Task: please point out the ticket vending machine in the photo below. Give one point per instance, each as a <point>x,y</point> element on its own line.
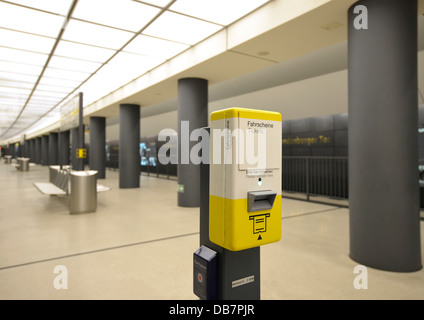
<point>240,202</point>
<point>245,178</point>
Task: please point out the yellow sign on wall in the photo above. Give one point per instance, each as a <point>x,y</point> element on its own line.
<point>81,153</point>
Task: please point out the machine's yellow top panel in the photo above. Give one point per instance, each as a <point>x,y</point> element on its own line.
<point>245,113</point>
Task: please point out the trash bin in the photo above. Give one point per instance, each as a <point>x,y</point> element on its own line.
<point>83,194</point>
<point>8,159</point>
<point>23,164</point>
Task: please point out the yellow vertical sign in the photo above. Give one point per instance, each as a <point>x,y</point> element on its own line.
<point>81,153</point>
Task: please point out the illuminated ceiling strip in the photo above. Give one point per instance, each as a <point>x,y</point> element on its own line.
<point>68,17</point>
<point>165,8</point>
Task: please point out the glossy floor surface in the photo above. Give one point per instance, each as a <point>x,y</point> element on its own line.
<point>139,245</point>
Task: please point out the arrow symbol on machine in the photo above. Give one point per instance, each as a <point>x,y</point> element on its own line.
<point>259,238</point>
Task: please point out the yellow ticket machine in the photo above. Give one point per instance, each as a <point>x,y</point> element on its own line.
<point>245,178</point>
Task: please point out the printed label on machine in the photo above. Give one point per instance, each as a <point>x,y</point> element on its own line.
<point>241,282</point>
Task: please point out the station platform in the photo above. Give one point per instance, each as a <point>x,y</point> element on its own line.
<point>139,245</point>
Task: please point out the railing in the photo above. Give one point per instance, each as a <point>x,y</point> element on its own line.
<point>316,176</point>
<point>167,171</point>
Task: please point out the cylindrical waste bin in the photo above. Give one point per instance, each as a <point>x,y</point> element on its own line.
<point>83,194</point>
<point>24,164</point>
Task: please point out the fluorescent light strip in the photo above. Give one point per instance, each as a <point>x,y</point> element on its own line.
<point>26,41</point>
<point>122,14</point>
<point>29,20</point>
<point>222,12</point>
<point>86,52</point>
<point>42,72</point>
<point>94,34</point>
<point>155,3</point>
<point>49,6</point>
<point>22,56</point>
<point>182,30</point>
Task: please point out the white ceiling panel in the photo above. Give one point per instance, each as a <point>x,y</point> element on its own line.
<point>20,91</point>
<point>9,107</point>
<point>25,41</point>
<point>65,74</point>
<point>66,83</point>
<point>96,35</point>
<point>122,14</point>
<point>159,3</point>
<point>6,66</point>
<point>15,84</point>
<point>73,64</point>
<point>48,94</point>
<point>8,114</point>
<point>223,12</point>
<point>155,47</point>
<point>54,88</point>
<point>14,96</point>
<point>28,20</point>
<point>21,56</point>
<point>134,63</point>
<point>17,77</point>
<point>83,52</point>
<point>48,102</point>
<point>180,28</point>
<point>55,6</point>
<point>48,99</point>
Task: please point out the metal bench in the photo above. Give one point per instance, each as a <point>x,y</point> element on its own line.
<point>59,182</point>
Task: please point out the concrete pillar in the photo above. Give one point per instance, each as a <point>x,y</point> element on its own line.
<point>53,149</point>
<point>45,150</point>
<point>63,153</point>
<point>32,150</point>
<point>192,114</point>
<point>74,147</point>
<point>383,135</point>
<point>97,159</point>
<point>38,150</point>
<point>129,146</point>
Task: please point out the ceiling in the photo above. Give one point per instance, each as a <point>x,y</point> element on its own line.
<point>310,45</point>
<point>60,48</point>
<point>52,49</point>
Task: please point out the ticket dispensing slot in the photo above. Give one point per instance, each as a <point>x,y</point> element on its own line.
<point>260,200</point>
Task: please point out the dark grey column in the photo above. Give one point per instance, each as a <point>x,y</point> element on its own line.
<point>81,142</point>
<point>25,152</point>
<point>129,146</point>
<point>38,150</point>
<point>45,150</point>
<point>192,111</point>
<point>74,147</point>
<point>53,149</point>
<point>97,158</point>
<point>19,150</point>
<point>383,136</point>
<point>64,156</point>
<point>32,150</point>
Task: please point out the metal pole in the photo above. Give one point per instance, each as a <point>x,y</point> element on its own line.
<point>232,265</point>
<point>307,179</point>
<point>80,161</point>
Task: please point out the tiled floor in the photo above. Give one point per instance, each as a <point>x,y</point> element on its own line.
<point>139,245</point>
